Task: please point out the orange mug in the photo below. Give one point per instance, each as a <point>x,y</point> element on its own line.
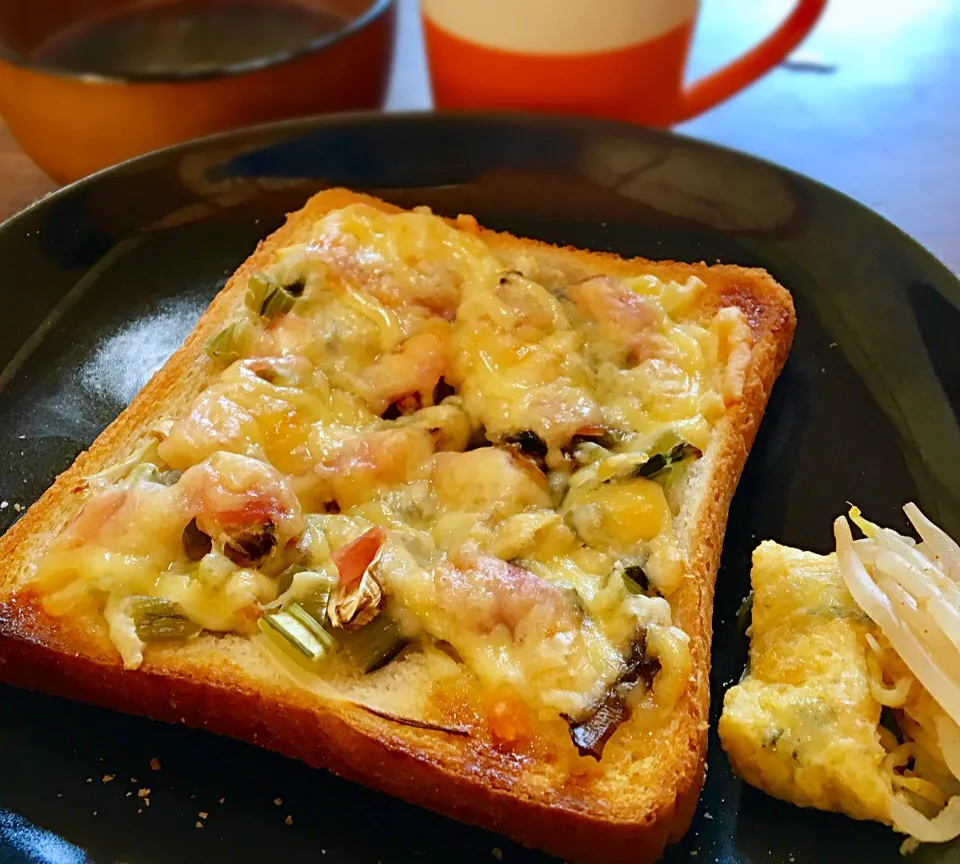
<point>622,59</point>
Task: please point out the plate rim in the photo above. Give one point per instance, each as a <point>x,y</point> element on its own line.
<point>291,130</point>
<point>292,127</point>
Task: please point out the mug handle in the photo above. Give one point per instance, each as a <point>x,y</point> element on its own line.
<point>743,71</point>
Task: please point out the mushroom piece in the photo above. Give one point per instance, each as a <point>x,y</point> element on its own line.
<point>249,545</point>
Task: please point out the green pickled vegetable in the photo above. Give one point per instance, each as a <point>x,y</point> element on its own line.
<point>277,301</point>
<point>285,579</point>
<point>296,288</point>
<point>227,345</point>
<point>267,298</point>
<point>299,631</point>
<point>635,580</point>
<point>160,620</point>
<point>258,288</point>
<point>375,644</point>
<point>313,541</point>
<point>589,452</point>
<point>314,626</point>
<point>316,604</point>
<point>152,474</point>
<point>144,471</point>
<point>170,477</point>
<point>655,467</point>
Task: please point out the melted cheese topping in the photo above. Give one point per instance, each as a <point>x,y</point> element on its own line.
<point>507,531</point>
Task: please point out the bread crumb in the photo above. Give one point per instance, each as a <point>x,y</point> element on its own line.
<point>221,800</point>
<point>468,223</point>
<point>129,794</point>
<point>108,777</point>
<point>707,816</point>
<point>139,811</point>
<point>497,853</point>
<point>133,779</point>
<point>154,764</point>
<point>142,793</point>
<point>17,507</point>
<point>278,801</point>
<point>89,779</point>
<point>203,814</point>
<point>4,505</point>
<point>288,820</point>
<point>94,812</point>
<point>198,824</point>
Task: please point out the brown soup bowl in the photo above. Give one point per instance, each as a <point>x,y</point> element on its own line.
<point>75,109</point>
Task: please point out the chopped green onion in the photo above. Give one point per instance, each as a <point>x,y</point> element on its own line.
<point>589,452</point>
<point>316,604</point>
<point>277,301</point>
<point>299,631</point>
<point>296,288</point>
<point>257,289</point>
<point>160,620</point>
<point>657,464</point>
<point>146,471</point>
<point>170,477</point>
<point>313,542</point>
<point>600,436</point>
<point>150,473</point>
<point>585,520</point>
<point>375,644</point>
<point>285,579</point>
<point>267,298</point>
<point>635,580</point>
<point>314,626</point>
<point>120,470</point>
<point>227,345</point>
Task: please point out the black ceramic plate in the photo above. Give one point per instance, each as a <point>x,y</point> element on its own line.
<point>102,281</point>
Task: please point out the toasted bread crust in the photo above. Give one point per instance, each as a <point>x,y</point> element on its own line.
<point>456,776</point>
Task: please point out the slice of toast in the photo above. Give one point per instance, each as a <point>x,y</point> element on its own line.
<point>639,797</point>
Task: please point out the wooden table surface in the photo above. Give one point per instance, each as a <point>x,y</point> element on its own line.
<point>876,113</point>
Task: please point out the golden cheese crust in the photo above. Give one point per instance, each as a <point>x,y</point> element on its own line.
<point>644,792</point>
